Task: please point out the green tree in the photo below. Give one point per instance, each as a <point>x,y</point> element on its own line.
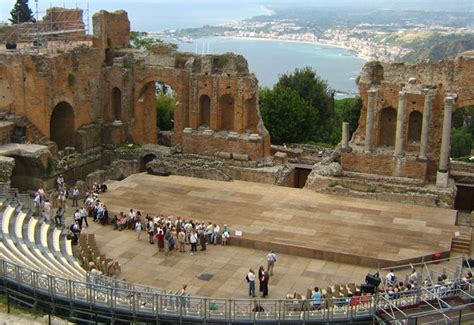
<point>461,143</point>
<point>21,12</point>
<point>318,95</point>
<point>141,41</point>
<point>165,104</point>
<point>348,110</point>
<point>288,117</point>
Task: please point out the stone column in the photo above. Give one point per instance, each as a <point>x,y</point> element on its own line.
<point>402,105</point>
<point>425,128</point>
<point>345,136</point>
<point>369,127</point>
<point>442,175</point>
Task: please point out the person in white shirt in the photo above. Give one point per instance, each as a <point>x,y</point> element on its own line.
<point>271,259</point>
<point>251,282</point>
<point>75,197</point>
<point>83,214</point>
<point>391,278</point>
<point>215,233</point>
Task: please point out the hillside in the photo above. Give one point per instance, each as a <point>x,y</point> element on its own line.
<point>434,50</point>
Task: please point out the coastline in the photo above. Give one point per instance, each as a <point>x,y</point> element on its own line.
<point>352,50</point>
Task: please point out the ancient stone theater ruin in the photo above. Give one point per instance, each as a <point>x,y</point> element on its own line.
<point>96,90</point>
<point>82,108</point>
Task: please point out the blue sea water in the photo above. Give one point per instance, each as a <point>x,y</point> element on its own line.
<point>268,59</point>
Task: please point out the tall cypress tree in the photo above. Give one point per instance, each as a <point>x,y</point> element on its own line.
<point>21,12</point>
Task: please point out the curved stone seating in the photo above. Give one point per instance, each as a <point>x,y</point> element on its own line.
<point>29,242</point>
<point>35,257</point>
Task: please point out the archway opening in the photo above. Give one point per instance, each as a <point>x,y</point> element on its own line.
<point>166,99</point>
<point>462,134</point>
<point>62,125</point>
<point>145,160</point>
<point>117,104</point>
<point>388,125</point>
<point>415,121</point>
<point>226,108</point>
<point>205,111</point>
<point>251,114</point>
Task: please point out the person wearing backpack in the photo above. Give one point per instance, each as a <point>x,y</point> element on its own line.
<point>251,281</point>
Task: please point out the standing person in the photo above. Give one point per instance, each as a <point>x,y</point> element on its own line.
<point>78,219</point>
<point>138,229</point>
<point>58,218</point>
<point>261,270</point>
<point>215,233</point>
<point>193,242</point>
<point>83,214</point>
<point>75,197</point>
<point>160,236</point>
<point>264,283</point>
<point>181,240</point>
<point>251,282</point>
<point>150,230</point>
<point>170,242</point>
<point>47,210</point>
<point>202,237</point>
<point>271,259</point>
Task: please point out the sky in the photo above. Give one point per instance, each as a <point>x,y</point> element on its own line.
<point>148,14</point>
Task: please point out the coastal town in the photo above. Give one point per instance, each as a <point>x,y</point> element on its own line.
<point>387,41</point>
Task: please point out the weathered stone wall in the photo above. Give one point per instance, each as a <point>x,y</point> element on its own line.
<point>111,91</point>
<point>55,19</point>
<point>242,147</point>
<point>384,164</point>
<point>111,29</point>
<point>388,79</point>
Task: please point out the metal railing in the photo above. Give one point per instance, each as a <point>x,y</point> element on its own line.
<point>153,304</point>
<point>101,293</point>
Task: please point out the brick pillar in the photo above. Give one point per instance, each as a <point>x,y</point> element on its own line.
<point>370,120</point>
<point>425,128</point>
<point>442,175</point>
<point>399,136</point>
<point>345,136</point>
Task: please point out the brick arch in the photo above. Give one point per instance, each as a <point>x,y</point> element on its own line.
<point>465,102</point>
<point>387,126</point>
<point>227,111</point>
<point>61,126</point>
<point>415,121</point>
<point>204,111</point>
<point>251,114</point>
<point>116,103</point>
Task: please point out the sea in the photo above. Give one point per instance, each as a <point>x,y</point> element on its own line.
<point>268,59</point>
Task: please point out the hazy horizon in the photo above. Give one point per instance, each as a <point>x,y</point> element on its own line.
<point>146,14</point>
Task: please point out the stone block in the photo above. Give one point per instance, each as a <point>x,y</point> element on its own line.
<point>208,132</point>
<point>255,138</point>
<point>224,155</point>
<point>69,151</point>
<point>188,131</point>
<point>6,168</point>
<point>233,136</point>
<point>280,158</point>
<point>442,179</point>
<point>240,156</point>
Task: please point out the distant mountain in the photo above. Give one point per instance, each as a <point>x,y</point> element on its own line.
<point>441,51</point>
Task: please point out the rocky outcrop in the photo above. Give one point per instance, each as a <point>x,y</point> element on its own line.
<point>6,168</point>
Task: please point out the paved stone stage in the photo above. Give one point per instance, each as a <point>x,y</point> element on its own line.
<point>295,221</point>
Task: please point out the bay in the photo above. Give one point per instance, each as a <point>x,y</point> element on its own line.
<point>268,59</point>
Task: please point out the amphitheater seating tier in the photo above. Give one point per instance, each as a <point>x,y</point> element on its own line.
<point>35,244</point>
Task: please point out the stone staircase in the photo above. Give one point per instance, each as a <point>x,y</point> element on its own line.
<point>461,244</point>
<point>34,135</point>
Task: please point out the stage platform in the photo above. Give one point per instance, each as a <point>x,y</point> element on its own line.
<point>294,221</point>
